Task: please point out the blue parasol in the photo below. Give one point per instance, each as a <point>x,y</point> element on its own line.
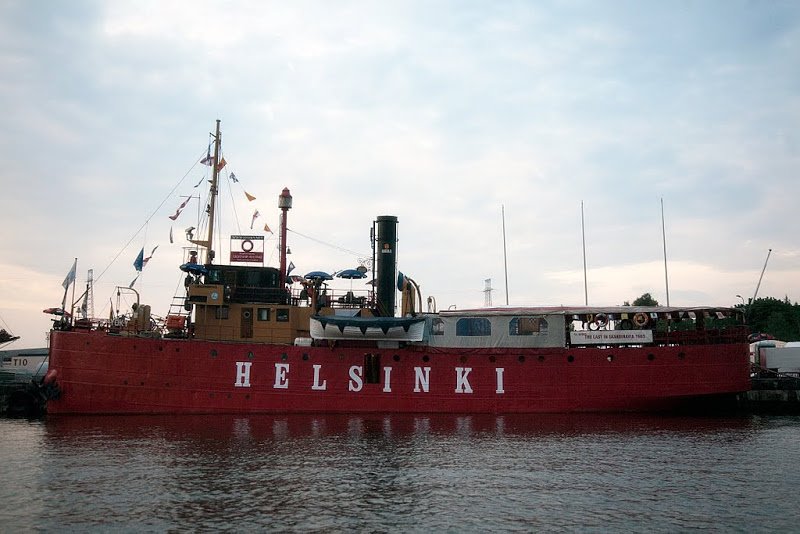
<point>194,268</point>
<point>351,274</point>
<point>318,275</point>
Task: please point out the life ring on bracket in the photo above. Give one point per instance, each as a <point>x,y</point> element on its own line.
<point>640,320</point>
<point>600,321</point>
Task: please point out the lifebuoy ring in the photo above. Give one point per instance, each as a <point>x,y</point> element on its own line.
<point>601,320</point>
<point>641,319</point>
<point>247,245</point>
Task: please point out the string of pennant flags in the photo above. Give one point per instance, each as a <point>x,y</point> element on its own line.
<point>141,261</point>
<point>208,160</point>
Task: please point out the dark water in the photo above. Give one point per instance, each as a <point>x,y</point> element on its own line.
<point>400,473</point>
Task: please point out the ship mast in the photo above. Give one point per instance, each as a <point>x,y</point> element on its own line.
<point>212,202</point>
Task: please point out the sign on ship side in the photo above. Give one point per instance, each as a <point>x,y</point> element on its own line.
<point>356,378</point>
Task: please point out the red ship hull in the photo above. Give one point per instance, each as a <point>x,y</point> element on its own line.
<point>98,373</point>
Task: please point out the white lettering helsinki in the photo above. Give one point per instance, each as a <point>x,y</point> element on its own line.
<point>422,378</point>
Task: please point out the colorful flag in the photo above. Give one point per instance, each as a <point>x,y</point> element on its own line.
<point>130,286</point>
<point>221,164</point>
<point>234,179</point>
<point>70,275</point>
<point>170,235</point>
<point>198,183</point>
<point>180,209</point>
<point>255,214</point>
<point>249,196</point>
<point>144,261</point>
<point>266,228</point>
<point>208,160</point>
<point>138,263</point>
<point>289,269</point>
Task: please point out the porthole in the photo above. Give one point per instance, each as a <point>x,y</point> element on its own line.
<point>570,358</point>
<point>284,357</point>
<point>463,359</point>
<point>305,357</point>
<point>651,357</point>
<point>213,353</point>
<point>396,357</point>
<point>521,358</point>
<point>492,359</point>
<point>610,357</point>
<point>541,358</point>
<point>250,355</point>
<point>681,356</point>
<point>426,358</point>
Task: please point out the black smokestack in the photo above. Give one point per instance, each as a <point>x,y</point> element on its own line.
<point>384,249</point>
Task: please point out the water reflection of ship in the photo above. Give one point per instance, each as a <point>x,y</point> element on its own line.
<point>228,430</point>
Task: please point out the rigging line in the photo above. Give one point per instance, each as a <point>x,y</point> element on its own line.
<point>8,328</point>
<point>233,205</point>
<point>354,253</point>
<point>169,195</point>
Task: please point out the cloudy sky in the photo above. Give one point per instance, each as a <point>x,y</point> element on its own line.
<point>439,112</point>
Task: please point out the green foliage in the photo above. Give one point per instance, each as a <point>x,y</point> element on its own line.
<point>773,316</point>
<point>645,300</point>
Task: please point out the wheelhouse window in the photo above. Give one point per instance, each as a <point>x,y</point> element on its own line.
<point>221,312</point>
<point>282,315</point>
<point>263,314</point>
<point>473,326</point>
<point>527,326</point>
<point>437,327</point>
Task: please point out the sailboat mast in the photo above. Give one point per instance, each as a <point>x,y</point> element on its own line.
<point>664,239</point>
<point>505,256</point>
<point>212,203</point>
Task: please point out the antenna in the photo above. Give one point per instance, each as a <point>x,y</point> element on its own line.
<point>87,308</point>
<point>664,239</point>
<point>505,257</point>
<point>762,276</point>
<point>487,293</point>
<point>585,282</point>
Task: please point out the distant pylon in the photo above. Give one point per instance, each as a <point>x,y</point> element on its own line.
<point>487,293</point>
<point>87,308</point>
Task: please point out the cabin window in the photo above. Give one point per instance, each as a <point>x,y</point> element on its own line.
<point>473,326</point>
<point>282,315</point>
<point>263,314</point>
<point>221,312</point>
<point>437,327</point>
<point>527,326</point>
